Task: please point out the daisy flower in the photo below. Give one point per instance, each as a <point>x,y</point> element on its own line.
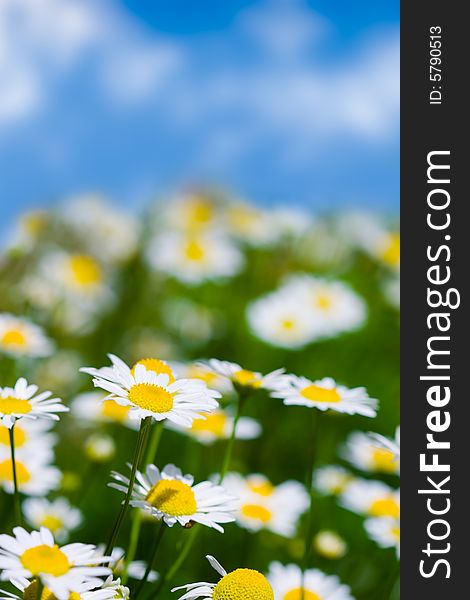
<point>191,212</point>
<point>56,515</point>
<point>171,496</point>
<point>197,370</point>
<point>392,445</point>
<point>243,378</point>
<point>329,544</point>
<point>99,447</point>
<point>149,389</point>
<point>384,531</point>
<point>20,402</point>
<point>251,225</point>
<point>241,584</point>
<point>35,477</point>
<point>218,425</point>
<point>331,479</point>
<point>364,452</point>
<point>81,590</point>
<point>286,581</point>
<point>371,498</point>
<point>325,394</point>
<point>93,407</point>
<point>265,506</point>
<point>194,258</point>
<point>60,569</point>
<point>28,434</point>
<point>19,337</point>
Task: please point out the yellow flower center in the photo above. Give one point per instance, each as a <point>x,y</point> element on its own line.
<point>288,324</point>
<point>45,559</point>
<point>34,222</point>
<point>159,367</point>
<point>19,435</point>
<point>395,531</point>
<point>114,411</point>
<point>52,522</point>
<point>151,397</point>
<point>263,488</point>
<point>296,594</point>
<point>213,423</point>
<point>196,372</point>
<point>249,378</point>
<point>194,251</point>
<point>172,497</point>
<point>85,270</point>
<point>323,301</point>
<point>6,471</point>
<point>384,460</point>
<point>200,212</point>
<point>243,584</point>
<point>14,337</point>
<point>14,406</point>
<point>385,507</point>
<point>315,393</point>
<point>390,253</point>
<point>256,512</point>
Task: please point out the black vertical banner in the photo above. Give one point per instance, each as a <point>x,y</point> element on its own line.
<point>435,397</point>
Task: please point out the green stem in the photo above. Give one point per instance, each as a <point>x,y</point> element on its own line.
<point>231,441</point>
<point>16,494</point>
<point>153,554</point>
<point>39,588</point>
<point>309,483</point>
<point>139,449</point>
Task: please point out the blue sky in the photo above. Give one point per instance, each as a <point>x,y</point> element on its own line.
<point>281,101</point>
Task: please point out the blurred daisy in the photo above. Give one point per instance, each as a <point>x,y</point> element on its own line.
<point>391,291</point>
<point>99,448</point>
<point>282,321</point>
<point>28,230</point>
<point>250,224</point>
<point>363,452</point>
<point>371,498</point>
<point>329,544</point>
<point>34,475</point>
<point>135,569</point>
<point>325,394</point>
<point>384,531</point>
<point>93,407</point>
<point>194,258</point>
<point>27,435</point>
<point>191,212</point>
<point>265,506</point>
<point>241,584</point>
<point>286,581</point>
<point>392,445</point>
<point>218,425</point>
<point>243,378</point>
<point>56,515</point>
<point>150,390</point>
<point>19,337</point>
<point>331,480</point>
<point>197,370</point>
<point>171,496</point>
<point>20,402</point>
<point>60,569</point>
<point>81,590</point>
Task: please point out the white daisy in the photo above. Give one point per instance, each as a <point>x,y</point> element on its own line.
<point>331,479</point>
<point>265,506</point>
<point>329,544</point>
<point>35,477</point>
<point>93,407</point>
<point>150,390</point>
<point>325,394</point>
<point>218,425</point>
<point>20,402</point>
<point>60,569</point>
<point>286,581</point>
<point>371,498</point>
<point>194,258</point>
<point>99,447</point>
<point>250,224</point>
<point>384,531</point>
<point>364,452</point>
<point>241,584</point>
<point>190,212</point>
<point>56,515</point>
<point>392,445</point>
<point>82,590</point>
<point>19,337</point>
<point>28,435</point>
<point>197,370</point>
<point>171,496</point>
<point>243,378</point>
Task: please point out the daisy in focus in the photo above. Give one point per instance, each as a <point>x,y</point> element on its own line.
<point>363,452</point>
<point>149,389</point>
<point>173,497</point>
<point>265,506</point>
<point>60,569</point>
<point>35,475</point>
<point>371,498</point>
<point>56,515</point>
<point>20,402</point>
<point>286,581</point>
<point>19,337</point>
<point>243,379</point>
<point>218,425</point>
<point>325,394</point>
<point>331,480</point>
<point>384,531</point>
<point>241,584</point>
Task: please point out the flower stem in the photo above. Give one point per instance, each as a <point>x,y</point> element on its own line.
<point>139,449</point>
<point>16,494</point>
<point>229,448</point>
<point>314,431</point>
<point>153,554</point>
<point>39,589</point>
